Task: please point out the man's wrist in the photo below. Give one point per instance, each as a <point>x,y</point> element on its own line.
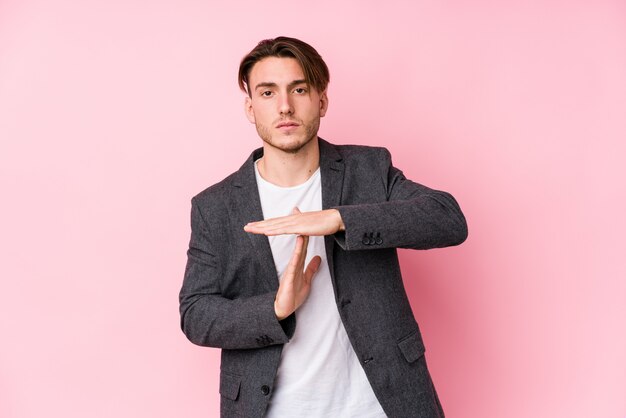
<point>341,225</point>
<point>278,315</point>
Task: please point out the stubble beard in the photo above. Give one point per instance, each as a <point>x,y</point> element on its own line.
<point>310,132</point>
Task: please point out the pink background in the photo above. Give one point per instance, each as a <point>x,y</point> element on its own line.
<point>114,113</point>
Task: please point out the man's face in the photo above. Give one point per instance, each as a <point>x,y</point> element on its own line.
<point>284,109</point>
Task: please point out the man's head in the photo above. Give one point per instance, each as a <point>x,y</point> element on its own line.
<point>313,66</point>
<point>286,82</point>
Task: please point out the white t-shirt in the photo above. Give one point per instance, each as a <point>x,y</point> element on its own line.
<point>319,374</point>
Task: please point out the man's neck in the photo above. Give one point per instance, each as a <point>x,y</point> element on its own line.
<point>289,169</point>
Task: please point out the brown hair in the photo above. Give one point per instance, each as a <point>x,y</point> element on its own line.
<point>313,66</point>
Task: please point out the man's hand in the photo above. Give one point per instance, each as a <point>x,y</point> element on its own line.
<point>322,222</point>
<point>295,284</point>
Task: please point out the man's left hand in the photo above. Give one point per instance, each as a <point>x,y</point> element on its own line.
<point>317,223</point>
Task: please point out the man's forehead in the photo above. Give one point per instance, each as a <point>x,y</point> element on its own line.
<point>277,70</point>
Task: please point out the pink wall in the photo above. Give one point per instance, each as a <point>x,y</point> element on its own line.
<point>114,113</point>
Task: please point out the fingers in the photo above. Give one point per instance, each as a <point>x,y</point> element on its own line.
<point>296,256</point>
<point>315,223</point>
<point>312,268</point>
<point>296,263</point>
<point>286,299</point>
<point>295,284</point>
<point>305,247</point>
<point>275,226</point>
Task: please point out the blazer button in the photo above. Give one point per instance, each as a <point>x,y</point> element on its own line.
<point>265,390</point>
<point>378,239</point>
<point>366,240</point>
<point>264,340</point>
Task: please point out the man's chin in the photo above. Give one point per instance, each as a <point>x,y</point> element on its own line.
<point>289,145</point>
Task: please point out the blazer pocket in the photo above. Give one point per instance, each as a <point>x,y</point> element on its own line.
<point>412,347</point>
<point>229,386</point>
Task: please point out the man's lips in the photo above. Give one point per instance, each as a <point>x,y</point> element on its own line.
<point>287,125</point>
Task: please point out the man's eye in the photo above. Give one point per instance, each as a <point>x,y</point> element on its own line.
<point>266,93</point>
<point>300,90</point>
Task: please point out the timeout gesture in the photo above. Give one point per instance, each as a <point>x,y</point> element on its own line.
<point>295,283</point>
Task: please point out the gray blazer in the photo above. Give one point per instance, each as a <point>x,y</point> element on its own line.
<point>227,296</point>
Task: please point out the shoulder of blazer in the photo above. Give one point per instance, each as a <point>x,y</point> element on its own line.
<point>355,153</point>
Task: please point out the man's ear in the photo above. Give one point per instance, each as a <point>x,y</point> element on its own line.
<point>248,109</point>
<point>323,103</point>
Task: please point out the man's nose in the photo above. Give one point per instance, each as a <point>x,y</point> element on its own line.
<point>284,105</point>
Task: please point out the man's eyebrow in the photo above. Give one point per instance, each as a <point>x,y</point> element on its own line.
<point>296,82</point>
<point>271,84</point>
<point>265,84</point>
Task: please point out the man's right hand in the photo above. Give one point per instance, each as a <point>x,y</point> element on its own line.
<point>295,283</point>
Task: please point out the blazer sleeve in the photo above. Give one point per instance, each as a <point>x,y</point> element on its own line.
<point>412,216</point>
<point>210,319</point>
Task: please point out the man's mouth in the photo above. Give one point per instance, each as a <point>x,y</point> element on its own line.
<point>287,125</point>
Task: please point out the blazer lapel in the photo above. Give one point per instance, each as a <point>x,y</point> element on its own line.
<point>332,172</point>
<point>245,205</point>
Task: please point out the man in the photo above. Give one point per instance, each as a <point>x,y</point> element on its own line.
<point>292,267</point>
